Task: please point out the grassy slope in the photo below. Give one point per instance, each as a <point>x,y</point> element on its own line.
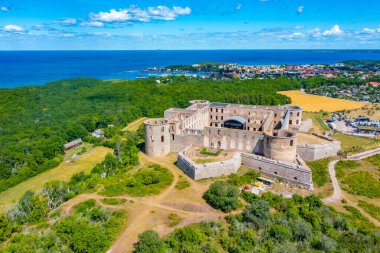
<point>62,172</point>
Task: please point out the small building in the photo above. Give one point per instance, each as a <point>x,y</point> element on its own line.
<point>73,144</point>
<point>98,133</point>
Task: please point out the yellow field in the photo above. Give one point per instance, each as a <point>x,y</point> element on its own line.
<point>314,103</point>
<point>64,171</point>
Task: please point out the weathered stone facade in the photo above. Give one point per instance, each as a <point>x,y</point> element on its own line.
<point>312,152</point>
<point>253,132</point>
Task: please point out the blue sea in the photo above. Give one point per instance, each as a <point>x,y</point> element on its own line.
<point>24,68</point>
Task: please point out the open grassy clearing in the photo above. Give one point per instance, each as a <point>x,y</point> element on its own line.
<point>133,126</point>
<point>319,126</point>
<point>353,144</point>
<point>320,171</point>
<point>314,103</point>
<point>374,160</point>
<point>371,209</point>
<point>359,178</point>
<point>146,181</point>
<point>63,172</point>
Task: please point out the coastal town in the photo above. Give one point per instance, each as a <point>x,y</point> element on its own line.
<point>348,69</point>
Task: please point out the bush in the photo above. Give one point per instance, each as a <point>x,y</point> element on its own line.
<point>146,181</point>
<point>149,242</point>
<point>222,195</point>
<point>247,178</point>
<point>204,151</point>
<point>182,183</point>
<point>257,214</point>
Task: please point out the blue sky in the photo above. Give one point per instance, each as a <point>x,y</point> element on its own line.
<point>212,24</point>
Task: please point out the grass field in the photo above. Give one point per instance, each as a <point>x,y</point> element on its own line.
<point>320,171</point>
<point>133,126</point>
<point>319,126</point>
<point>62,172</point>
<point>146,181</point>
<point>314,103</point>
<point>360,178</point>
<point>354,144</point>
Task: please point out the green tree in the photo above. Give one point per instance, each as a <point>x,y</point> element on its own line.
<point>149,242</point>
<point>257,214</point>
<point>222,195</point>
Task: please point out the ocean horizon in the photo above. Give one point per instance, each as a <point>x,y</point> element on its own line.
<point>26,68</point>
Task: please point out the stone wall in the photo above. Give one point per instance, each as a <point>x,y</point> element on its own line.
<point>207,170</point>
<point>233,139</point>
<point>312,152</point>
<point>297,174</point>
<point>306,125</point>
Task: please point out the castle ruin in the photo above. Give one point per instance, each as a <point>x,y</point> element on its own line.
<point>262,138</point>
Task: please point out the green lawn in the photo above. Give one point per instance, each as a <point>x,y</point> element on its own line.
<point>374,160</point>
<point>354,144</point>
<point>342,166</point>
<point>320,171</point>
<point>362,183</point>
<point>319,126</point>
<point>371,209</point>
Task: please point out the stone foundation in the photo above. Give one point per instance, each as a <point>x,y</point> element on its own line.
<point>312,152</point>
<point>207,170</point>
<point>298,173</point>
<point>293,173</point>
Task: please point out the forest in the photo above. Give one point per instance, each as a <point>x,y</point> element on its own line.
<point>36,121</point>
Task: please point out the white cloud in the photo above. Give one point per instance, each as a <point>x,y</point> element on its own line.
<point>68,35</point>
<point>238,7</point>
<point>182,11</point>
<point>291,36</point>
<point>133,14</point>
<point>367,30</point>
<point>300,9</point>
<point>68,21</point>
<point>13,28</point>
<point>4,9</point>
<point>334,31</point>
<point>92,23</point>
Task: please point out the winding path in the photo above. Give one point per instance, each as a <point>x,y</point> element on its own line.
<point>337,194</point>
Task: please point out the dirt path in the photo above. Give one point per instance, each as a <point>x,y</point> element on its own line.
<point>152,212</point>
<point>149,212</point>
<point>337,194</point>
<point>130,127</point>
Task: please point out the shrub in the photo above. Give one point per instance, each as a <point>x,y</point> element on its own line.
<point>149,242</point>
<point>257,214</point>
<point>222,195</point>
<point>204,151</point>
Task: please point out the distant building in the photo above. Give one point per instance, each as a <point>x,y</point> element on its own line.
<point>73,144</point>
<point>98,133</point>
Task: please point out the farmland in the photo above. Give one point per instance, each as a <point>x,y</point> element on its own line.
<point>314,103</point>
